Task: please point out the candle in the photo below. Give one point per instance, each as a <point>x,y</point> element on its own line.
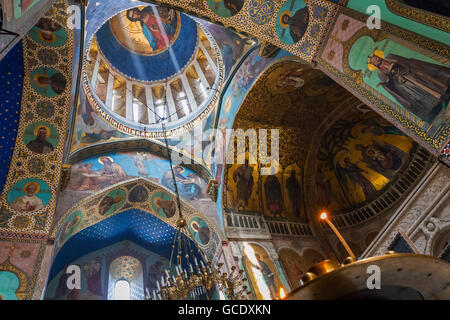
<point>196,263</point>
<point>167,273</point>
<point>154,295</point>
<point>162,281</point>
<point>191,268</point>
<point>157,284</point>
<point>201,262</point>
<point>178,271</point>
<point>185,273</point>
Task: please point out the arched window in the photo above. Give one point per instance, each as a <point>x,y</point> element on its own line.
<point>126,280</point>
<point>122,290</point>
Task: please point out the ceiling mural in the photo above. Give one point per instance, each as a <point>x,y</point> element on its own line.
<point>137,100</point>
<point>372,61</point>
<point>124,259</point>
<point>11,85</point>
<point>262,272</point>
<point>292,97</point>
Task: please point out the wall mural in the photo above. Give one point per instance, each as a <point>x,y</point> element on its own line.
<point>90,129</point>
<point>359,156</point>
<point>258,18</point>
<point>99,172</point>
<point>226,8</point>
<point>17,261</point>
<point>137,29</point>
<point>410,83</point>
<point>297,265</point>
<point>262,273</point>
<point>159,202</point>
<point>282,94</point>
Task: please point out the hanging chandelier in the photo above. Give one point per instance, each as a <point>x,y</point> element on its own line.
<point>193,280</point>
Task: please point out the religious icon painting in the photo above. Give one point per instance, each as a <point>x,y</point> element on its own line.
<point>242,186</point>
<point>112,202</point>
<point>418,83</point>
<point>226,8</point>
<point>48,33</point>
<point>71,224</point>
<point>293,192</point>
<point>146,30</point>
<point>138,194</point>
<point>273,195</point>
<point>199,230</point>
<point>293,265</point>
<point>288,77</point>
<point>163,205</point>
<point>48,82</point>
<point>29,195</point>
<point>292,21</point>
<point>41,137</point>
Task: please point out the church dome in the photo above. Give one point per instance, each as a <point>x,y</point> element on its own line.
<point>151,65</point>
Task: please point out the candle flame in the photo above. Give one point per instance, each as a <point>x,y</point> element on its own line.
<point>323,215</point>
<point>282,293</point>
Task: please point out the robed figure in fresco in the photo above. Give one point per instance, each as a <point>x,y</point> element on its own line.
<point>243,176</point>
<point>158,39</point>
<point>354,173</point>
<point>40,144</point>
<point>297,23</point>
<point>29,201</point>
<point>295,194</point>
<point>419,86</point>
<point>272,188</point>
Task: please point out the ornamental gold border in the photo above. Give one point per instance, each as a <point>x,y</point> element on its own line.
<point>353,79</point>
<point>89,208</point>
<point>28,115</point>
<point>26,283</point>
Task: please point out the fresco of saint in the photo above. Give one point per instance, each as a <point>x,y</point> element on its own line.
<point>355,174</point>
<point>40,144</point>
<point>157,38</point>
<point>29,201</point>
<point>419,86</point>
<point>272,188</point>
<point>243,176</point>
<point>200,230</point>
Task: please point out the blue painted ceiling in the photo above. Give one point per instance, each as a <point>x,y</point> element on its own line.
<point>134,225</point>
<point>150,68</point>
<point>11,81</point>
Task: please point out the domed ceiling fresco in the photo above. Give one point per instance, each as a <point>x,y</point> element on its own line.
<point>151,65</point>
